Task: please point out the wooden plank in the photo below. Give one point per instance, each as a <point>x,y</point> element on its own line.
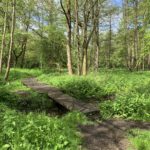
<point>39,87</point>
<point>59,97</point>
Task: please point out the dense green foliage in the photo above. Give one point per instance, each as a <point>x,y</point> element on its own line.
<point>40,33</point>
<point>79,87</point>
<point>78,37</point>
<point>38,131</point>
<point>26,122</point>
<point>140,139</point>
<point>32,102</point>
<point>132,106</point>
<point>130,91</point>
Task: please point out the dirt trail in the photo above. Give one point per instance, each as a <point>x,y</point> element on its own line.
<point>109,135</point>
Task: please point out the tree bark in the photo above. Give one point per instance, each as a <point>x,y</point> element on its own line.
<point>126,32</point>
<point>69,48</point>
<point>3,39</point>
<point>84,66</point>
<point>24,46</point>
<point>136,44</point>
<point>87,37</point>
<point>148,62</point>
<point>77,36</point>
<point>110,41</point>
<point>11,41</point>
<point>97,54</point>
<point>97,15</point>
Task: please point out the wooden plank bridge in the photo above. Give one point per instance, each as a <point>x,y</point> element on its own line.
<point>59,97</point>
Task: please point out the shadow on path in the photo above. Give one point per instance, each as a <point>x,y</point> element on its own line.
<point>109,135</point>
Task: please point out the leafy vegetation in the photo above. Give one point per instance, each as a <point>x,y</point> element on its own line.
<point>26,123</point>
<point>140,139</point>
<point>131,106</point>
<point>38,131</point>
<point>78,38</point>
<point>130,100</point>
<point>31,101</point>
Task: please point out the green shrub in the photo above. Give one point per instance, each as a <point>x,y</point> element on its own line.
<point>37,131</point>
<point>132,106</point>
<point>140,139</point>
<point>82,88</point>
<point>33,102</point>
<point>7,98</point>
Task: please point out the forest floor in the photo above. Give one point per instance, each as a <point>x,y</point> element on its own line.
<point>110,135</point>
<point>123,99</point>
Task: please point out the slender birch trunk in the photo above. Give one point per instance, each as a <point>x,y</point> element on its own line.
<point>11,40</point>
<point>3,39</point>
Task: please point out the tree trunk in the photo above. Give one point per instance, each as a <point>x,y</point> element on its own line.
<point>97,57</point>
<point>23,52</point>
<point>110,42</point>
<point>3,38</point>
<point>126,32</point>
<point>11,41</point>
<point>77,37</point>
<point>136,35</point>
<point>87,37</point>
<point>84,57</point>
<point>69,57</point>
<point>132,57</point>
<point>148,62</point>
<point>24,47</point>
<point>97,14</point>
<point>143,63</point>
<point>84,66</point>
<point>68,18</point>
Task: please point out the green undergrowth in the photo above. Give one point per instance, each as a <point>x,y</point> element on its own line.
<point>38,131</point>
<point>139,139</point>
<point>16,75</point>
<point>82,88</point>
<point>26,125</point>
<point>130,105</point>
<point>31,102</point>
<point>120,94</point>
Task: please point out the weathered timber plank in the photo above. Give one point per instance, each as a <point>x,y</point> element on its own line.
<point>73,104</point>
<point>58,96</point>
<point>39,87</point>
